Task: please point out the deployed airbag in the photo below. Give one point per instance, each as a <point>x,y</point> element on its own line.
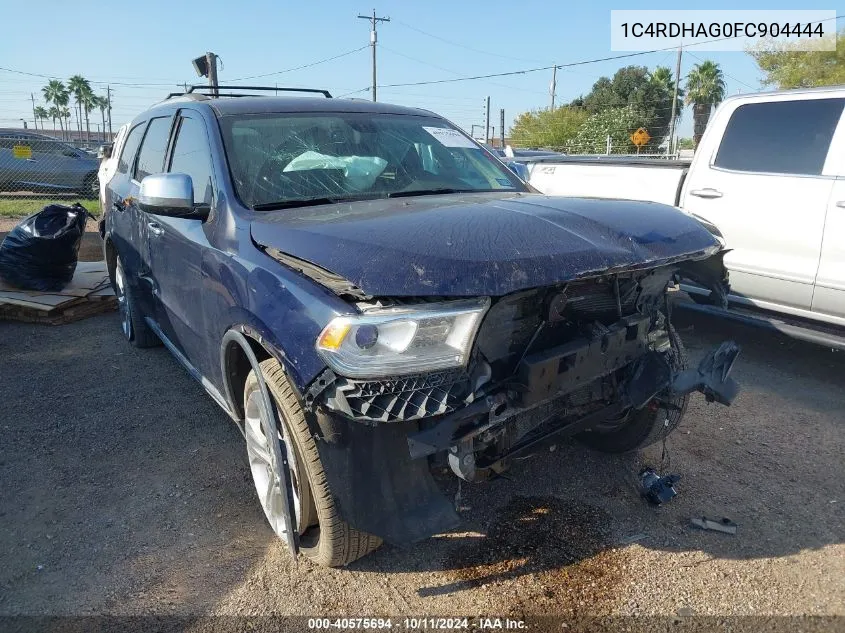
<point>360,172</point>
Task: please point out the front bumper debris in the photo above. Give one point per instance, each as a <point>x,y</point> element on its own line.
<point>651,376</point>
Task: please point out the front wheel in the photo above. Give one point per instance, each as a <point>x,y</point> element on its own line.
<point>640,428</point>
<point>324,537</point>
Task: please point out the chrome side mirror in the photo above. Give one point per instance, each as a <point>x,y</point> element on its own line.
<point>168,195</point>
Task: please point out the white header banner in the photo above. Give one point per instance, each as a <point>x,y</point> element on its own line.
<point>722,30</point>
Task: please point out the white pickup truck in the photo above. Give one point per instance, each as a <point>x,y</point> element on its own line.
<point>769,173</point>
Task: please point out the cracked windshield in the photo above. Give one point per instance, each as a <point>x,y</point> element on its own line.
<point>287,160</point>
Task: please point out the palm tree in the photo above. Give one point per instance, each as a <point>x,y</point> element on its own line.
<point>705,88</point>
<point>56,93</point>
<point>78,86</point>
<point>662,77</point>
<point>103,104</point>
<point>56,113</point>
<point>41,113</point>
<point>66,115</point>
<point>88,102</point>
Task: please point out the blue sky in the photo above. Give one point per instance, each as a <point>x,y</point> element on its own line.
<point>144,49</point>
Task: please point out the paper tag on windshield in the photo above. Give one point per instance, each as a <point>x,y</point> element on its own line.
<point>449,137</point>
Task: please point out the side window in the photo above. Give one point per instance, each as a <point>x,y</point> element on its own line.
<point>781,137</point>
<point>191,156</point>
<point>153,148</point>
<point>130,147</point>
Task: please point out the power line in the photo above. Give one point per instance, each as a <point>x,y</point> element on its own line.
<point>724,73</point>
<point>464,46</point>
<point>569,65</point>
<point>288,70</point>
<point>156,85</point>
<point>354,92</point>
<point>425,63</point>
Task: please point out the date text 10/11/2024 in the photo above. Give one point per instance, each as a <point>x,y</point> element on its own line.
<point>421,623</point>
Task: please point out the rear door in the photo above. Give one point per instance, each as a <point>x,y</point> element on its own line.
<point>150,161</point>
<point>766,185</point>
<point>829,293</point>
<point>178,244</point>
<point>121,221</point>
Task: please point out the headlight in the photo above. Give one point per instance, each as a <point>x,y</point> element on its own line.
<point>403,340</point>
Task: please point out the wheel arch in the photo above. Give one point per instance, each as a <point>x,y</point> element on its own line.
<point>239,343</point>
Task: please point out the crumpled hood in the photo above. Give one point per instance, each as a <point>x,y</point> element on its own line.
<point>487,244</point>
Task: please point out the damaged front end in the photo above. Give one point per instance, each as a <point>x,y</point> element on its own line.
<point>495,378</point>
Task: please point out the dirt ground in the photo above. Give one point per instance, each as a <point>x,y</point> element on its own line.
<point>126,491</point>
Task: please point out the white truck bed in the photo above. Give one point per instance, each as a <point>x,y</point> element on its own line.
<point>651,179</point>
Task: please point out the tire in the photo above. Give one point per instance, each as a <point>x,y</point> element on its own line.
<point>132,323</point>
<point>325,538</point>
<point>647,426</point>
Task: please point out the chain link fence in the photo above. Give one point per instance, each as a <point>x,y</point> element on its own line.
<point>38,169</point>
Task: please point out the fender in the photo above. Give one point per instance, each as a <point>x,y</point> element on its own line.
<point>278,449</point>
<point>257,332</point>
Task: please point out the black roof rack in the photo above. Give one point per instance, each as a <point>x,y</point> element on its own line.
<point>205,91</point>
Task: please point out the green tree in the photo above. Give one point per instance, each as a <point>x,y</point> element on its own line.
<point>786,67</point>
<point>66,114</point>
<point>705,89</point>
<point>56,113</point>
<point>617,123</point>
<point>78,87</point>
<point>548,129</point>
<point>664,83</point>
<point>102,103</point>
<point>41,113</point>
<point>686,143</point>
<point>88,103</point>
<point>648,94</point>
<point>55,93</point>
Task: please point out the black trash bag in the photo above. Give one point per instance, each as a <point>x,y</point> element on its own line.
<point>41,252</point>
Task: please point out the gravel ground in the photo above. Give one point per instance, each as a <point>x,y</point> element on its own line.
<point>126,491</point>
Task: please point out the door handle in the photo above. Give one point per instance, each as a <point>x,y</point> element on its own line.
<point>707,192</point>
<point>117,204</point>
<point>155,228</point>
<point>841,204</point>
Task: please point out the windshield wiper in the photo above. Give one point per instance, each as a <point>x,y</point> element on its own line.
<point>309,202</point>
<point>428,192</point>
<point>290,204</point>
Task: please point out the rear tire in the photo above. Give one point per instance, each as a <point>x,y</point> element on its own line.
<point>328,541</point>
<point>650,424</point>
<point>132,322</point>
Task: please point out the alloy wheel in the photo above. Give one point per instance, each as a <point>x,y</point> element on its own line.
<point>263,467</point>
<point>122,301</point>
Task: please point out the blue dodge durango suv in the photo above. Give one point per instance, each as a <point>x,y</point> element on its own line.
<point>370,294</point>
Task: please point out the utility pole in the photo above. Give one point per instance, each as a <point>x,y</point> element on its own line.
<point>373,41</point>
<point>674,100</point>
<point>108,98</point>
<point>32,96</point>
<point>487,116</point>
<point>502,128</point>
<point>553,87</point>
<point>211,60</point>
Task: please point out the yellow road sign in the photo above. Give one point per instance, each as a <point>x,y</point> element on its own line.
<point>22,151</point>
<point>640,137</point>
